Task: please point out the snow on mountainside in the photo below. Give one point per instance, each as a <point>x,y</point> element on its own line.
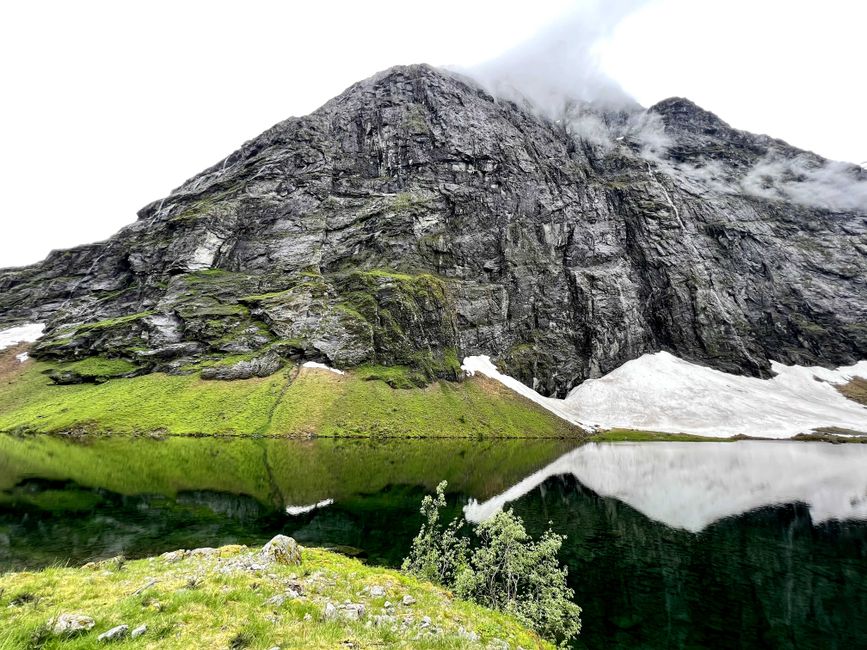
<point>26,333</point>
<point>659,392</point>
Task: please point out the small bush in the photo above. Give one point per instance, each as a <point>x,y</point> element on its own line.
<point>505,569</point>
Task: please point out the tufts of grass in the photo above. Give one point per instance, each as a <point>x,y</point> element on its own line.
<point>230,608</point>
<point>97,367</point>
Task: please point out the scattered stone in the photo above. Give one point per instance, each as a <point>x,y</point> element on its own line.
<point>353,611</point>
<point>408,600</point>
<point>376,591</point>
<point>425,622</point>
<point>307,617</point>
<point>388,604</point>
<point>276,601</point>
<point>114,634</point>
<point>174,556</point>
<point>498,644</point>
<point>71,624</point>
<point>350,611</point>
<point>136,633</point>
<point>282,550</point>
<point>205,551</point>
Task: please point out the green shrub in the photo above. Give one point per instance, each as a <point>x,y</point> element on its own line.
<point>505,569</point>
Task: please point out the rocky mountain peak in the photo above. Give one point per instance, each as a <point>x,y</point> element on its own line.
<point>681,113</point>
<point>414,220</point>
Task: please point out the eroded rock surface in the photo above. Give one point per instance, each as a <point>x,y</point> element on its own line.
<point>415,220</point>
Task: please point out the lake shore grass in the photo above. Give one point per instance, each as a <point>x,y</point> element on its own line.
<point>295,402</point>
<point>234,597</point>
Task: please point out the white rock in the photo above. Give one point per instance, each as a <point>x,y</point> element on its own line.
<point>69,624</point>
<point>354,611</point>
<point>377,591</point>
<point>408,600</point>
<point>136,633</point>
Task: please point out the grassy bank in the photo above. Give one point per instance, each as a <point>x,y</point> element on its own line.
<point>296,402</point>
<point>233,598</point>
<point>633,435</point>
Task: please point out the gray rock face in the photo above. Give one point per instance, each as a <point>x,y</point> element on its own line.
<point>414,220</point>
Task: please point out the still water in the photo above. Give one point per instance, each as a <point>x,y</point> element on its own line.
<point>670,545</point>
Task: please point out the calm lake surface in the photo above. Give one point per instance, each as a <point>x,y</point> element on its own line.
<point>670,545</point>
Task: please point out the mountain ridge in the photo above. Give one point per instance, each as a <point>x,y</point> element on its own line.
<point>415,219</point>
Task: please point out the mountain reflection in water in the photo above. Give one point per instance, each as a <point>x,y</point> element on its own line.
<point>670,545</point>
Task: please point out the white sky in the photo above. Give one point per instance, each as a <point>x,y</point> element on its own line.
<point>109,105</point>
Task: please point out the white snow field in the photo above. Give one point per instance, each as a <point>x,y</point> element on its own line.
<point>26,333</point>
<point>659,392</point>
<point>691,485</point>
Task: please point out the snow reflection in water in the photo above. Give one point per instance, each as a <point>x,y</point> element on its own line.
<point>691,485</point>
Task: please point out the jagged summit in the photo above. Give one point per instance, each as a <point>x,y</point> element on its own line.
<point>414,219</point>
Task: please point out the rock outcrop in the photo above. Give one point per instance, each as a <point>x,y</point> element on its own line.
<point>415,219</point>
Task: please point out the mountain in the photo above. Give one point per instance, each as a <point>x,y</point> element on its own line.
<point>415,219</point>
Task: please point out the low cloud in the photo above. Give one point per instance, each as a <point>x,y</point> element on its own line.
<point>810,181</point>
<point>558,69</point>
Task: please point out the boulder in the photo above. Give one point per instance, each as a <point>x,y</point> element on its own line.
<point>71,624</point>
<point>282,550</point>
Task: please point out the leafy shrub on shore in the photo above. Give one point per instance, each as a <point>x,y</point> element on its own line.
<point>505,569</point>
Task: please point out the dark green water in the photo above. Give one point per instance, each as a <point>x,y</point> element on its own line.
<point>766,576</point>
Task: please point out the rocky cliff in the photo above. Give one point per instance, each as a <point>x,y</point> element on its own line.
<point>415,219</point>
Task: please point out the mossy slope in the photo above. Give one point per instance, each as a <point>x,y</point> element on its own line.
<point>215,600</point>
<point>295,402</point>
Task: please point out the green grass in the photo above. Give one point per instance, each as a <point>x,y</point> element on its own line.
<point>195,604</point>
<point>97,367</point>
<point>113,322</point>
<point>632,435</point>
<point>313,403</point>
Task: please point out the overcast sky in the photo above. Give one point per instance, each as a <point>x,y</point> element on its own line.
<point>109,105</point>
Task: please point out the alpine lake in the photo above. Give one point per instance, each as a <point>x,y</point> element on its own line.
<point>669,545</point>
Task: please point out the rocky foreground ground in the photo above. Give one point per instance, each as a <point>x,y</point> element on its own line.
<point>282,596</point>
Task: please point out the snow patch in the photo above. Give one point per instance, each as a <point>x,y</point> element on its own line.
<point>26,333</point>
<point>690,486</point>
<point>300,510</point>
<point>659,392</point>
<point>322,366</point>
